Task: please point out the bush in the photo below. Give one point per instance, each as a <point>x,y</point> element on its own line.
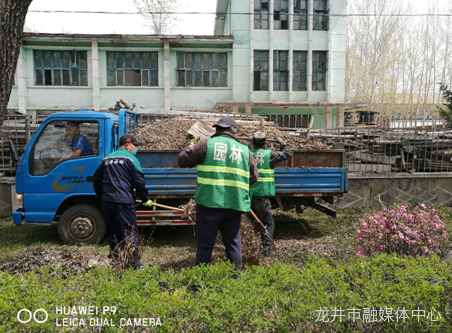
<point>403,230</point>
<point>281,298</point>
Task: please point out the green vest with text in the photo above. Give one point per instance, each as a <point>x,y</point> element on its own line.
<point>265,185</point>
<point>224,177</point>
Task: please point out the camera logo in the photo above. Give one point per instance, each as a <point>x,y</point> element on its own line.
<point>25,316</point>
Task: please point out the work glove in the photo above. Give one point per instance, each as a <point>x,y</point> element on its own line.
<point>194,141</point>
<point>278,140</point>
<point>148,203</point>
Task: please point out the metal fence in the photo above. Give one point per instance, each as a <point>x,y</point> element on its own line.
<point>390,150</point>
<point>390,145</point>
<point>15,132</point>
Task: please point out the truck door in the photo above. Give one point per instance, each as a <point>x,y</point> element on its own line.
<point>60,159</point>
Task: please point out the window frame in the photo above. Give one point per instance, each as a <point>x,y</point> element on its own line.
<point>298,12</point>
<point>316,71</point>
<point>152,68</point>
<point>31,158</point>
<point>321,19</point>
<point>280,12</point>
<point>202,70</point>
<point>260,52</point>
<point>259,15</point>
<point>279,71</point>
<point>298,69</point>
<point>70,68</point>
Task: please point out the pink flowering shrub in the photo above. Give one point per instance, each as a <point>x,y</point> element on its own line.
<point>403,230</point>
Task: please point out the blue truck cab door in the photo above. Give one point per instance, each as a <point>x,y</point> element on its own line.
<point>60,156</point>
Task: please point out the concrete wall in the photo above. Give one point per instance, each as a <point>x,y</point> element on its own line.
<point>367,191</point>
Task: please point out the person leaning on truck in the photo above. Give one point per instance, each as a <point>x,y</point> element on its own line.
<point>226,169</point>
<point>114,181</point>
<point>264,189</point>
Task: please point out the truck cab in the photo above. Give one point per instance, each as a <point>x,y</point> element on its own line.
<point>52,185</point>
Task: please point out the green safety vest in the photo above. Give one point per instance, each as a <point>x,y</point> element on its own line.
<point>224,177</point>
<point>265,185</point>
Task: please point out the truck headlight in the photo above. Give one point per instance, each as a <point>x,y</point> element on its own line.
<point>19,201</point>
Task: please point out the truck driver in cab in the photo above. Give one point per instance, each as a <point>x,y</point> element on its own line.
<point>79,143</point>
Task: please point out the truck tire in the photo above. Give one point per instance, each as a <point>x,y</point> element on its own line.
<point>82,224</point>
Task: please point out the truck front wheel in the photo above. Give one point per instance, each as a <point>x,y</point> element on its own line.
<point>82,224</point>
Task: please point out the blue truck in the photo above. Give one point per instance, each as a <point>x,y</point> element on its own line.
<point>52,188</point>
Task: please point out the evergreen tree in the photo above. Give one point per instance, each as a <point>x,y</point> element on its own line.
<point>446,112</point>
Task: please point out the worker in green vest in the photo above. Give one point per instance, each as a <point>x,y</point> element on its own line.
<point>264,188</point>
<point>226,169</point>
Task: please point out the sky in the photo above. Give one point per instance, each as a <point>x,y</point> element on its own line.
<point>133,24</point>
<point>114,24</point>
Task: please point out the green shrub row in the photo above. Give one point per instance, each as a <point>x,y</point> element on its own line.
<point>281,298</point>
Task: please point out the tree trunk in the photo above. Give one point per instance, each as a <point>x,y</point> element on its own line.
<point>12,20</point>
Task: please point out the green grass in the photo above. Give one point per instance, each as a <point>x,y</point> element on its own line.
<point>282,298</point>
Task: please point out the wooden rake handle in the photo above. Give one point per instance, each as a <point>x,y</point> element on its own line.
<point>165,207</point>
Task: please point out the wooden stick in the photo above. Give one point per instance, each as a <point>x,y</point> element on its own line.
<point>255,217</point>
<point>165,207</point>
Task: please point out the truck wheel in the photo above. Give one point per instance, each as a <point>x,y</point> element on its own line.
<point>82,224</point>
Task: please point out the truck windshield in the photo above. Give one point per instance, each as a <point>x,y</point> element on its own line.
<point>61,141</point>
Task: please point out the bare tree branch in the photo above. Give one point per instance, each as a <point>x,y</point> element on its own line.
<point>158,14</point>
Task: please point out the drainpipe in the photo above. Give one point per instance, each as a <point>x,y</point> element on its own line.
<point>291,13</point>
<point>310,31</point>
<point>21,83</point>
<point>166,76</point>
<point>330,56</point>
<point>95,75</point>
<point>252,51</point>
<point>270,55</point>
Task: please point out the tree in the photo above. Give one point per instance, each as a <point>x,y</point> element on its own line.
<point>12,20</point>
<point>158,14</point>
<point>446,113</point>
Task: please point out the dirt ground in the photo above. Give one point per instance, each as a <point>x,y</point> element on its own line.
<point>297,238</point>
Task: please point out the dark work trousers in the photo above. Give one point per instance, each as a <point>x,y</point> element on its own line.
<point>262,207</point>
<point>121,219</point>
<point>208,222</point>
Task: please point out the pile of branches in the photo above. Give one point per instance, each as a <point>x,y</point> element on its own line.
<point>68,259</point>
<point>172,134</point>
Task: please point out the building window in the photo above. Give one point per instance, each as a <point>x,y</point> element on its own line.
<point>260,70</point>
<point>60,68</point>
<point>321,15</point>
<point>319,69</point>
<point>261,17</point>
<point>281,15</point>
<point>300,70</point>
<point>300,18</point>
<point>132,69</point>
<point>202,69</point>
<point>280,70</point>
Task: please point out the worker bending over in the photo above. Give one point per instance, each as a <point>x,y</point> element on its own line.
<point>114,181</point>
<point>264,189</point>
<point>226,169</point>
